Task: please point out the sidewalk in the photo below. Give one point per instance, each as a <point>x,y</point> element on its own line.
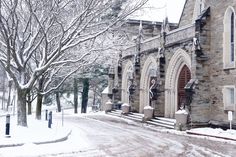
<point>217,133</point>
<point>37,132</point>
<point>198,132</point>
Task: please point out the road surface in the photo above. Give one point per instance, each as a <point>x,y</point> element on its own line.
<point>103,136</point>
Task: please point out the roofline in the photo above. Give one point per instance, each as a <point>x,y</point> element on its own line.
<point>182,12</point>
<point>134,21</point>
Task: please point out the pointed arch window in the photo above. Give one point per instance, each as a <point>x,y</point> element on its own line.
<point>229,39</point>
<point>232,38</point>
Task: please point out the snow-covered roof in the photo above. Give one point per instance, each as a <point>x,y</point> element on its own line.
<point>105,91</point>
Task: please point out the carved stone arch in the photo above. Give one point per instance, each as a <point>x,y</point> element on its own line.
<point>149,64</point>
<point>124,93</point>
<point>177,62</point>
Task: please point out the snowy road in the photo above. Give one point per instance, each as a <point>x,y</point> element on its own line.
<point>108,137</point>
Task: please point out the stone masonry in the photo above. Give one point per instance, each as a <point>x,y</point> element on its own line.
<point>198,44</point>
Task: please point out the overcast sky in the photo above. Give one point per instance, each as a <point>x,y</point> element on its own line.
<point>156,10</point>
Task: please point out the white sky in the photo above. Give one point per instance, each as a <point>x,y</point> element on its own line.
<point>156,10</point>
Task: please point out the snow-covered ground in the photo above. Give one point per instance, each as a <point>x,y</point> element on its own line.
<point>219,133</point>
<point>36,132</point>
<point>93,135</point>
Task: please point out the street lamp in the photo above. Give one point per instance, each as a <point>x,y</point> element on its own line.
<point>131,86</point>
<point>111,75</point>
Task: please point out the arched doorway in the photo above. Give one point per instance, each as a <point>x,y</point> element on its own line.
<point>148,68</point>
<point>178,61</point>
<point>184,77</point>
<point>125,83</point>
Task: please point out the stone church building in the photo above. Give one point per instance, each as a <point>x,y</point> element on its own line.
<point>190,66</point>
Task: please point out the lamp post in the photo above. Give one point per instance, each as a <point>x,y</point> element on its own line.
<point>131,87</point>
<point>111,75</point>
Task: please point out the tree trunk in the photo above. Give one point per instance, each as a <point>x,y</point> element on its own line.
<point>29,103</point>
<point>21,107</point>
<point>75,96</point>
<point>39,99</point>
<point>94,97</point>
<point>3,91</point>
<point>94,107</point>
<point>85,95</point>
<point>9,94</point>
<point>39,106</point>
<point>58,101</point>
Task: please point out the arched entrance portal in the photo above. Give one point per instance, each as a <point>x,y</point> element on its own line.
<point>179,66</point>
<point>184,77</point>
<point>149,68</point>
<point>125,83</point>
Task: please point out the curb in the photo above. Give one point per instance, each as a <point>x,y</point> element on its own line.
<point>220,137</point>
<point>38,143</point>
<point>11,145</point>
<point>54,141</point>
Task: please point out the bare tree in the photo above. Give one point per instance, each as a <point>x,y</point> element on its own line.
<point>36,35</point>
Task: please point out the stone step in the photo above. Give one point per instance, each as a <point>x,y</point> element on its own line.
<point>165,119</point>
<point>132,118</point>
<point>114,113</point>
<point>161,124</point>
<point>140,116</point>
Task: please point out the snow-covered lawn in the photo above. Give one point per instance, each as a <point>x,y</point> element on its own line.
<point>37,131</point>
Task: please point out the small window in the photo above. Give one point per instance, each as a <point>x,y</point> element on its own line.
<point>229,98</point>
<point>231,91</point>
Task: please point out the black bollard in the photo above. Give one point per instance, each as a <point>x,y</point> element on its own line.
<point>50,115</point>
<point>46,114</point>
<point>50,119</point>
<point>8,125</point>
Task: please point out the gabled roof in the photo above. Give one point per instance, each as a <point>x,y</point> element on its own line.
<point>145,22</point>
<point>182,12</point>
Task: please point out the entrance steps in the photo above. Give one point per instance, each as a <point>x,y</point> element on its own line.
<point>138,117</point>
<point>117,113</point>
<point>163,122</point>
<point>132,116</point>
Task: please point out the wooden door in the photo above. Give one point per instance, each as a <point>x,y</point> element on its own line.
<point>184,77</point>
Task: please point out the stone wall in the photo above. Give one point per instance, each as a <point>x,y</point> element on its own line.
<point>187,14</point>
<point>218,76</point>
<point>206,63</point>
